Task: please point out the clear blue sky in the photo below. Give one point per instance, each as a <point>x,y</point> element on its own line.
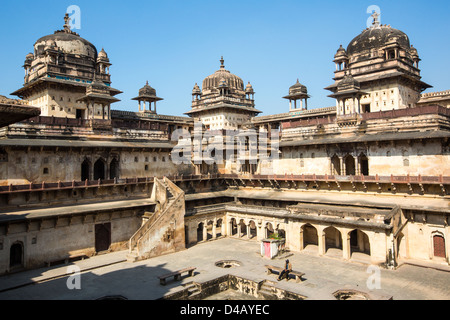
<point>174,44</point>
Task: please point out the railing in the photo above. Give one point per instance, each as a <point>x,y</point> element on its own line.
<point>408,179</point>
<point>390,114</point>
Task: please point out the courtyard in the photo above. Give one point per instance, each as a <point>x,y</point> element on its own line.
<point>109,275</point>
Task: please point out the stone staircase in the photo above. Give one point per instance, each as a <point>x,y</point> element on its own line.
<point>192,290</point>
<point>142,244</point>
<point>268,290</point>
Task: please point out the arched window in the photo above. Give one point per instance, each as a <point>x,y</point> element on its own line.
<point>350,165</point>
<point>85,170</point>
<point>99,169</point>
<point>335,165</point>
<point>114,169</point>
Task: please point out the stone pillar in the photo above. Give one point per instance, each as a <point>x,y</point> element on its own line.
<point>205,230</point>
<point>321,239</point>
<point>214,231</point>
<point>346,250</point>
<point>248,230</point>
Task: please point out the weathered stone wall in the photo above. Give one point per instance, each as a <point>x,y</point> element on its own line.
<point>53,239</point>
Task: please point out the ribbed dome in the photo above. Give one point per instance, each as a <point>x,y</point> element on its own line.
<point>216,79</point>
<point>376,37</point>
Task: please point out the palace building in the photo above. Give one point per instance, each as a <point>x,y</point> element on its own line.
<point>368,178</point>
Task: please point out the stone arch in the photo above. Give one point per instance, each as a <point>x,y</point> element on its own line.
<point>233,226</point>
<point>438,244</point>
<point>363,164</point>
<point>252,229</point>
<point>209,230</point>
<point>309,236</point>
<point>350,168</point>
<point>200,228</point>
<point>359,242</point>
<point>335,165</point>
<point>242,228</point>
<point>85,170</point>
<point>269,229</point>
<point>100,169</point>
<point>333,238</point>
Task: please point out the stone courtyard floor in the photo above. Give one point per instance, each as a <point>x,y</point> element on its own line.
<point>111,275</point>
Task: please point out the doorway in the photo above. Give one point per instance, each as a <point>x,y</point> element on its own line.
<point>16,255</point>
<point>99,170</point>
<point>102,237</point>
<point>439,246</point>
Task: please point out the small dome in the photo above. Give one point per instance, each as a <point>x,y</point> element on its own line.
<point>376,37</point>
<point>341,53</point>
<point>196,90</point>
<point>147,91</point>
<point>249,88</point>
<point>413,52</point>
<point>298,88</point>
<point>103,56</point>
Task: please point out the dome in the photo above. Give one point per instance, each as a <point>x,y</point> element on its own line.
<point>298,88</point>
<point>249,88</point>
<point>215,80</point>
<point>147,91</point>
<point>67,41</point>
<point>103,56</point>
<point>341,53</point>
<point>196,90</point>
<point>376,37</point>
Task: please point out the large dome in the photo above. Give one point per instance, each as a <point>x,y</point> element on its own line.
<point>377,37</point>
<point>66,41</point>
<point>221,75</point>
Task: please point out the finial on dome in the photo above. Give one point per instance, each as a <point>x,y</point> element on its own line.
<point>376,22</point>
<point>222,65</point>
<point>67,22</point>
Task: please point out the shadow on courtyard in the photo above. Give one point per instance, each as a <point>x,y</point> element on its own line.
<point>124,281</point>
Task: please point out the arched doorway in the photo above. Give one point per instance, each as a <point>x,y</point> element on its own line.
<point>333,239</point>
<point>349,165</point>
<point>114,169</point>
<point>85,170</point>
<point>269,229</point>
<point>359,242</point>
<point>99,170</point>
<point>439,246</point>
<point>102,237</point>
<point>200,232</point>
<point>243,228</point>
<point>364,164</point>
<point>253,231</point>
<point>310,238</point>
<point>234,227</point>
<point>335,165</point>
<point>209,230</point>
<point>16,255</point>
